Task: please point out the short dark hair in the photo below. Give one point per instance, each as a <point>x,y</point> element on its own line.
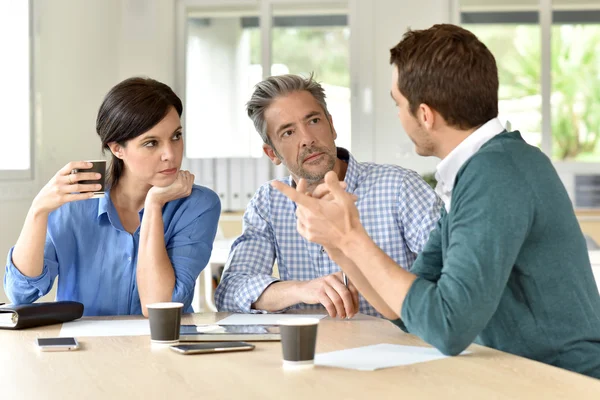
<point>450,70</point>
<point>129,109</point>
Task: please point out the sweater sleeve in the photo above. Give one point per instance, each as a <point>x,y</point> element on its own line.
<point>491,214</point>
<point>428,264</point>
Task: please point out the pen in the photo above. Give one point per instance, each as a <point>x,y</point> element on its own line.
<point>345,279</point>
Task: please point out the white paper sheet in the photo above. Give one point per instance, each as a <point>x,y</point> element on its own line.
<point>136,327</point>
<point>6,319</point>
<point>371,358</point>
<point>263,319</point>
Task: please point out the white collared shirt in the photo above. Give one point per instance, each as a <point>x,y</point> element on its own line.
<point>448,168</point>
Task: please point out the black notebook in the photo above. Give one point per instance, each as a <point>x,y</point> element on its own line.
<point>39,314</point>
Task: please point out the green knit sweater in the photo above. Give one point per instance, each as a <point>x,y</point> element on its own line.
<point>507,267</point>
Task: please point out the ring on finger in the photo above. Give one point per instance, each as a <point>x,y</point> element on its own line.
<point>70,180</point>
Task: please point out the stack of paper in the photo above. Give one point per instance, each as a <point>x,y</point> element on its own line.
<point>371,358</point>
<point>82,328</point>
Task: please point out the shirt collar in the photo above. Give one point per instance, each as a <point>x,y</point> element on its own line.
<point>448,168</point>
<point>104,204</point>
<point>352,172</point>
<point>351,177</point>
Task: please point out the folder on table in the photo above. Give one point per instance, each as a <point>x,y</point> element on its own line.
<point>39,314</point>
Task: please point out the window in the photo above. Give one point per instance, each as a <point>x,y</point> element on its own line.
<point>316,40</point>
<point>224,60</point>
<point>575,97</point>
<point>219,80</point>
<point>514,40</point>
<point>15,105</point>
<point>574,92</point>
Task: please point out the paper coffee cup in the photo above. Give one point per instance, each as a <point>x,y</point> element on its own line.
<point>165,321</point>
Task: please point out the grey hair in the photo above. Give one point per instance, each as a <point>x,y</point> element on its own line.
<point>275,86</point>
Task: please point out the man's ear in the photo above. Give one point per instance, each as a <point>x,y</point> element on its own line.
<point>116,149</point>
<point>426,116</point>
<point>270,152</point>
<point>331,125</point>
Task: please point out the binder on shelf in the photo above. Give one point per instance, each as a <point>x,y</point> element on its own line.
<point>236,200</point>
<point>249,183</point>
<point>221,174</point>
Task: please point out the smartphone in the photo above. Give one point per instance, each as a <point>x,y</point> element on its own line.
<point>57,344</point>
<point>213,347</point>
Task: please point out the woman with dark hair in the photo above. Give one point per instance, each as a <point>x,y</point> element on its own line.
<point>145,241</point>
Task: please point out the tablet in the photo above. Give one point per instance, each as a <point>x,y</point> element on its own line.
<point>229,333</point>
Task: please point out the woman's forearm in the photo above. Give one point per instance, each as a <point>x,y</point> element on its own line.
<point>155,275</point>
<point>28,254</point>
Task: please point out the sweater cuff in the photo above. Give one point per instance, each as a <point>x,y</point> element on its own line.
<point>398,322</point>
<point>411,303</point>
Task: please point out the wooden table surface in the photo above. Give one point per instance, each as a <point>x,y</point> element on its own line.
<point>130,368</point>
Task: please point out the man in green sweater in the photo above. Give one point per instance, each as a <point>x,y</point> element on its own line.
<point>507,265</point>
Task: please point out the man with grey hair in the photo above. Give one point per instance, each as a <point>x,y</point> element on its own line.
<point>397,208</point>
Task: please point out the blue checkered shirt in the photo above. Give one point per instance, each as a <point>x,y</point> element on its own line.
<point>397,208</point>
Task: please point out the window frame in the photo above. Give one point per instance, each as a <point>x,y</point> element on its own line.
<point>265,13</point>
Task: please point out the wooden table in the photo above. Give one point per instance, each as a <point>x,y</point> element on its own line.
<point>129,368</point>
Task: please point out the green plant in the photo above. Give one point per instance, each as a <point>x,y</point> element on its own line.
<point>575,97</point>
<point>430,179</point>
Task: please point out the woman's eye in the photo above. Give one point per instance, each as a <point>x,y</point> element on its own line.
<point>177,136</point>
<point>151,143</point>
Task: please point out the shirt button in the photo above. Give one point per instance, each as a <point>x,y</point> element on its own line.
<point>322,249</point>
<point>129,258</point>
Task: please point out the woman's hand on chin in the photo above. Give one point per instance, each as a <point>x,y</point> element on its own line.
<point>181,187</point>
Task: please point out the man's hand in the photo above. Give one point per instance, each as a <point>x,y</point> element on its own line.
<point>338,300</point>
<point>328,216</point>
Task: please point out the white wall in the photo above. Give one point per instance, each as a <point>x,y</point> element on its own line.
<point>84,48</point>
<point>146,39</point>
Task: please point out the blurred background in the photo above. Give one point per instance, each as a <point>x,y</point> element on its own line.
<point>60,57</point>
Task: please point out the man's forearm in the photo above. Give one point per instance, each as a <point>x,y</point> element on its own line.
<point>372,266</point>
<point>279,295</point>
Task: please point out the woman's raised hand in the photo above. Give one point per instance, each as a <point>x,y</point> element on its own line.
<point>64,187</point>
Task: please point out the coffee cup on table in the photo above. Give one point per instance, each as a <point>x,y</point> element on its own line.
<point>298,341</point>
<point>165,322</point>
